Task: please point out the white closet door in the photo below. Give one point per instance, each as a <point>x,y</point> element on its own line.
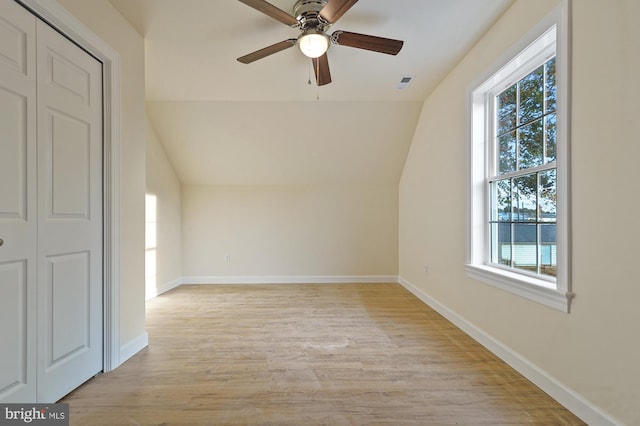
<point>18,217</point>
<point>69,146</point>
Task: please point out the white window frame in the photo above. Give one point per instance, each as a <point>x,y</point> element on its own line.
<point>552,33</point>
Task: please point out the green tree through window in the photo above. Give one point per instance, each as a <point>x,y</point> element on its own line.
<point>523,185</point>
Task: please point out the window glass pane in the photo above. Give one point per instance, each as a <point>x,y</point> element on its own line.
<point>548,250</point>
<point>531,96</point>
<point>525,190</point>
<point>550,133</point>
<point>501,247</point>
<point>525,247</point>
<point>507,153</point>
<point>547,196</point>
<point>531,145</point>
<point>523,215</point>
<point>507,110</point>
<point>550,84</point>
<point>501,210</point>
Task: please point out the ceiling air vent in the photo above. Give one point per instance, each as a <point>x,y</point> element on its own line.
<point>405,82</point>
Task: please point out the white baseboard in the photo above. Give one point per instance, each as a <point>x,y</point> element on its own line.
<point>170,285</point>
<point>291,279</point>
<point>273,279</point>
<point>570,399</point>
<point>134,346</point>
<point>163,288</point>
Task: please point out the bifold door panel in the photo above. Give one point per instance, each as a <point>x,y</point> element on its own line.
<point>50,210</point>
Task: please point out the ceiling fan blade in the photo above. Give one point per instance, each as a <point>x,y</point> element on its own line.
<point>321,69</point>
<point>269,50</point>
<point>334,9</point>
<point>272,11</point>
<point>368,42</point>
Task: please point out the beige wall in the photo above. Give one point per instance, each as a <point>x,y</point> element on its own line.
<point>164,219</point>
<point>285,143</point>
<point>290,230</point>
<point>595,349</point>
<point>108,24</point>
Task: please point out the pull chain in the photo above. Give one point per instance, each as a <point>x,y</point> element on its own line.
<point>309,80</point>
<point>317,77</point>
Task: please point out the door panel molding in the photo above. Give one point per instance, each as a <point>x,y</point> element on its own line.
<point>14,162</point>
<point>14,310</point>
<point>53,13</point>
<point>69,168</point>
<point>67,280</point>
<point>18,204</point>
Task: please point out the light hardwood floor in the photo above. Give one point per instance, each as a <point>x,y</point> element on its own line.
<point>333,354</point>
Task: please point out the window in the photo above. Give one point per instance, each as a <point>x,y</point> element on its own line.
<point>518,187</point>
<point>522,173</point>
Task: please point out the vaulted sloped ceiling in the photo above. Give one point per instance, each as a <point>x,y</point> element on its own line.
<point>226,123</point>
<point>279,143</point>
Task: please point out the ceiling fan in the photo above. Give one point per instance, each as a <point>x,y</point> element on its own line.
<point>313,18</point>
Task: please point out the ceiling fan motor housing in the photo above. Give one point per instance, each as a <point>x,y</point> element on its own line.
<point>307,12</point>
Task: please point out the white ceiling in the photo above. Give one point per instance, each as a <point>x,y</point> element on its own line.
<point>262,123</point>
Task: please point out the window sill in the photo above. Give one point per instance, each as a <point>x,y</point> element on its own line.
<point>538,290</point>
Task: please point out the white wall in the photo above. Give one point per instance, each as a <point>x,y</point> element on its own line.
<point>594,350</point>
<point>108,24</point>
<point>274,231</point>
<point>164,219</point>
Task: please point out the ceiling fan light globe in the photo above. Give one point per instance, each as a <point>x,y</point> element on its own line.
<point>313,44</point>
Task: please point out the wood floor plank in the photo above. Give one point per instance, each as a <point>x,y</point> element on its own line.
<point>326,354</point>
